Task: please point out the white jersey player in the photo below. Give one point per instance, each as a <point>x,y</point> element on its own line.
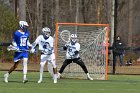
<point>71,49</point>
<point>45,43</point>
<point>72,55</point>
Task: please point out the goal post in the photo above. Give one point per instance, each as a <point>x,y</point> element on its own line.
<point>93,39</point>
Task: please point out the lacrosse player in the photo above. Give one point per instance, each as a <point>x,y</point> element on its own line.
<point>72,55</point>
<point>20,42</point>
<point>45,42</point>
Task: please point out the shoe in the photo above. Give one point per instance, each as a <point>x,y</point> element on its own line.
<point>89,78</point>
<point>55,78</point>
<point>39,81</point>
<point>25,81</point>
<point>55,81</point>
<point>58,75</point>
<point>6,77</point>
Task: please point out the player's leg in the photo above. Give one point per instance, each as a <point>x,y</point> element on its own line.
<point>65,63</point>
<point>50,69</point>
<point>25,61</point>
<point>17,57</point>
<point>80,62</point>
<point>42,64</point>
<point>52,60</point>
<point>10,71</point>
<point>24,56</point>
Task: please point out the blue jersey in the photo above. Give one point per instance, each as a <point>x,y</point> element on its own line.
<point>21,39</point>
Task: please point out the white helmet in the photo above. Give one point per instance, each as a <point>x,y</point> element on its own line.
<point>23,24</point>
<point>46,31</point>
<point>73,38</point>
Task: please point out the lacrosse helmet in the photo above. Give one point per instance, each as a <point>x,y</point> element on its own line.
<point>46,32</point>
<point>23,25</point>
<point>73,38</point>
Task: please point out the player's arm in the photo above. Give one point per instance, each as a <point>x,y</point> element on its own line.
<point>51,50</point>
<point>77,49</point>
<point>29,44</point>
<point>65,46</point>
<point>34,44</point>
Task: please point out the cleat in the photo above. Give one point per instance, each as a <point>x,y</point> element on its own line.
<point>89,78</point>
<point>6,77</point>
<point>58,75</point>
<point>39,81</point>
<point>55,78</point>
<point>55,81</point>
<point>25,81</point>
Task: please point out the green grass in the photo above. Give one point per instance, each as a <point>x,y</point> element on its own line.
<point>115,84</point>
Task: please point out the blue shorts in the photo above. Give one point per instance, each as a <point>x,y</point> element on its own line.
<point>20,55</point>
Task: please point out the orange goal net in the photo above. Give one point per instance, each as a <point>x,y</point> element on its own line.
<point>93,39</point>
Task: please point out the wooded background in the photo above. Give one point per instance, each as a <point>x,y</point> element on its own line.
<point>41,13</point>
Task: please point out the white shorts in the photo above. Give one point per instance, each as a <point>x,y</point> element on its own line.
<point>49,59</point>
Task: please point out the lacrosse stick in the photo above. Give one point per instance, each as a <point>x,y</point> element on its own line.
<point>11,47</point>
<point>65,36</point>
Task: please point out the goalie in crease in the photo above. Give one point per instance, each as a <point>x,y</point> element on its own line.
<point>20,42</point>
<point>72,55</point>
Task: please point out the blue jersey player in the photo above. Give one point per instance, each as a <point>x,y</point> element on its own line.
<point>21,42</point>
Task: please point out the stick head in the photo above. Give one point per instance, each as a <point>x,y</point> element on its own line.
<point>65,36</point>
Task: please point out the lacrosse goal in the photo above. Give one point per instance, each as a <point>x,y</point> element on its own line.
<point>93,39</point>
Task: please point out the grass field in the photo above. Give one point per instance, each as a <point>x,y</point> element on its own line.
<point>115,84</point>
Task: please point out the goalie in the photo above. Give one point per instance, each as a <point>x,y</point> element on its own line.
<point>72,55</point>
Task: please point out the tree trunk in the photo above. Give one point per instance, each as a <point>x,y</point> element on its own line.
<point>130,23</point>
<point>22,10</point>
<point>39,16</point>
<point>57,11</point>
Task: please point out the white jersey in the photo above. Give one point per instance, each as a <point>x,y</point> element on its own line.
<point>45,45</point>
<point>70,54</point>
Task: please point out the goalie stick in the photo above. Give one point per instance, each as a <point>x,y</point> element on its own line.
<point>65,36</point>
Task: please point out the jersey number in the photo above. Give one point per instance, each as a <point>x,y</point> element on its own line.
<point>23,41</point>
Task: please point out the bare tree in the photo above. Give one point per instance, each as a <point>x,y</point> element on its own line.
<point>22,10</point>
<point>39,16</point>
<point>57,10</point>
<point>130,23</point>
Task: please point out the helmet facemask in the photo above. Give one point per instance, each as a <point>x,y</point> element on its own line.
<point>46,32</point>
<point>23,25</point>
<point>73,39</point>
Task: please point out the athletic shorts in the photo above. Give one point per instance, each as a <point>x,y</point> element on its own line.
<point>20,55</point>
<point>49,59</point>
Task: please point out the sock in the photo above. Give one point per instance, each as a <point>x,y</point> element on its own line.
<point>41,70</point>
<point>55,76</point>
<point>25,68</point>
<point>88,75</point>
<point>24,77</point>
